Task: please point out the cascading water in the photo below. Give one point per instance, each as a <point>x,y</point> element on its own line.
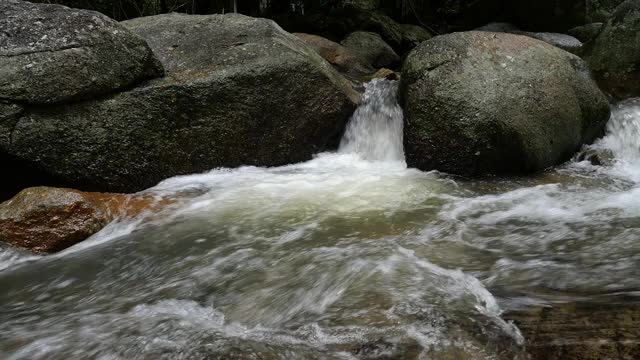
<point>350,255</point>
<point>622,139</point>
<point>375,130</point>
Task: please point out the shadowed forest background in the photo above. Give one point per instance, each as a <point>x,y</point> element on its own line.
<point>332,17</point>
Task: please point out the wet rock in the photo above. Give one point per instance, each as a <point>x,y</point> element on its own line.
<point>47,220</point>
<point>586,32</point>
<point>489,103</point>
<point>50,53</point>
<point>343,59</point>
<point>371,47</point>
<point>237,91</point>
<point>413,35</point>
<point>579,331</point>
<point>385,74</point>
<point>614,56</point>
<point>596,157</point>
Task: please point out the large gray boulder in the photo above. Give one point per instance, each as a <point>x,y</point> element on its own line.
<point>50,53</point>
<point>371,47</point>
<point>614,56</point>
<point>481,102</point>
<point>237,91</point>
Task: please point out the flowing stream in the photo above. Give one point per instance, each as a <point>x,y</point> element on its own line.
<point>348,256</point>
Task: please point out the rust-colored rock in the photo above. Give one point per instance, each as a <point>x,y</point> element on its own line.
<point>342,58</point>
<point>384,73</point>
<point>47,220</point>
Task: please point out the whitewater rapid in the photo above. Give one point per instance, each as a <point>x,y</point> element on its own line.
<point>348,255</point>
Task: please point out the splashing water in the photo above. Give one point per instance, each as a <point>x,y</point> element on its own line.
<point>622,139</point>
<point>350,255</point>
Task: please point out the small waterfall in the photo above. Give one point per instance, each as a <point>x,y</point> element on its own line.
<point>623,131</point>
<point>622,141</point>
<point>375,129</point>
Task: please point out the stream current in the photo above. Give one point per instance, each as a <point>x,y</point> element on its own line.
<point>350,255</point>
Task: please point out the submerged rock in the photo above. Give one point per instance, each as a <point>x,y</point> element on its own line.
<point>480,102</point>
<point>614,56</point>
<point>578,331</point>
<point>596,156</point>
<point>50,53</point>
<point>371,47</point>
<point>47,220</point>
<point>345,60</point>
<point>237,91</point>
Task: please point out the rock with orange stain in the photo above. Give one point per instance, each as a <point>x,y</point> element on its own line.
<point>47,220</point>
<point>342,58</point>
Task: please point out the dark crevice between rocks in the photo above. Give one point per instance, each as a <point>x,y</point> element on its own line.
<point>19,176</point>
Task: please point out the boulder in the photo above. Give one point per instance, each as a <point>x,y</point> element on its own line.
<point>371,47</point>
<point>46,220</point>
<point>128,9</point>
<point>489,103</point>
<point>335,24</point>
<point>413,35</point>
<point>237,91</point>
<point>614,56</point>
<point>563,41</point>
<point>50,54</point>
<point>586,33</point>
<point>379,23</point>
<point>343,59</point>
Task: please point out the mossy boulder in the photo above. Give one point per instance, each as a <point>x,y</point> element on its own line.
<point>237,91</point>
<point>490,103</point>
<point>586,33</point>
<point>371,47</point>
<point>614,56</point>
<point>413,35</point>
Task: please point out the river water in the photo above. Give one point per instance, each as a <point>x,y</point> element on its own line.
<point>348,256</point>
